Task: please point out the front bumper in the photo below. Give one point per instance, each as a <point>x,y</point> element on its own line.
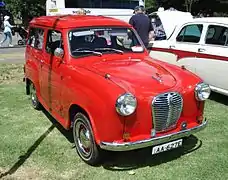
<point>126,146</point>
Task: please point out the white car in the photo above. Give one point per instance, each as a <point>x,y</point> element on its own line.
<point>169,19</point>
<point>201,46</point>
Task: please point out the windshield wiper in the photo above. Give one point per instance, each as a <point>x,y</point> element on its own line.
<point>110,49</point>
<point>87,51</point>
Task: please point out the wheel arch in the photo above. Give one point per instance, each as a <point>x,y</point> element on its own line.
<point>73,110</point>
<point>27,84</point>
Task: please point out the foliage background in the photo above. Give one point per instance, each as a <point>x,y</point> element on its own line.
<point>27,9</point>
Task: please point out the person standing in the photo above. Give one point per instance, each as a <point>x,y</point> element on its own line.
<point>141,23</point>
<point>159,32</point>
<point>7,31</point>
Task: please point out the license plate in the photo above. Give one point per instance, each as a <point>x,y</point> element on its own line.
<point>166,147</point>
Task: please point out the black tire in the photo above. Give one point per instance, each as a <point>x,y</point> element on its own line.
<point>88,150</point>
<point>34,100</point>
<point>20,42</point>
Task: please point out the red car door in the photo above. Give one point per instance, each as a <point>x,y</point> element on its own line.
<point>52,73</point>
<point>35,57</point>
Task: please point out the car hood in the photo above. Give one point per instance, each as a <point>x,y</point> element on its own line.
<point>134,74</point>
<point>171,19</point>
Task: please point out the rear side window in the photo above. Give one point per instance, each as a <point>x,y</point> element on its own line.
<point>54,41</point>
<point>190,33</point>
<point>217,35</point>
<point>36,37</point>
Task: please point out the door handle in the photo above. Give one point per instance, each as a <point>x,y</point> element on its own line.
<point>201,50</point>
<point>171,46</point>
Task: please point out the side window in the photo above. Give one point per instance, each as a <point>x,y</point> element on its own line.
<point>190,33</point>
<point>35,39</point>
<point>217,35</point>
<point>54,40</point>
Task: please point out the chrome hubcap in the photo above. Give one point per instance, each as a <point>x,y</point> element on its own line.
<point>83,139</point>
<point>33,95</point>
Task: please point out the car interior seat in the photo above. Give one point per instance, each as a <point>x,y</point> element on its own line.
<point>100,42</point>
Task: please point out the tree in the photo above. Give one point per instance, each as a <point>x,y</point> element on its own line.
<point>150,3</point>
<point>189,3</point>
<point>177,4</point>
<point>26,9</point>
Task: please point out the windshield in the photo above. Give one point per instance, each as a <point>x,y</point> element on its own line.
<point>97,41</point>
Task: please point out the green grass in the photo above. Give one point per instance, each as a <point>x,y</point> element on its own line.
<point>34,146</point>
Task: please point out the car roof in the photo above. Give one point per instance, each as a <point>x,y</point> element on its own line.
<point>219,20</point>
<point>76,21</point>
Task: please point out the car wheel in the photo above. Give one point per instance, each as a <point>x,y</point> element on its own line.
<point>84,141</point>
<point>34,100</point>
<point>20,42</point>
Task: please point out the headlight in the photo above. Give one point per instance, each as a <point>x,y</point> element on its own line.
<point>202,91</point>
<point>126,104</point>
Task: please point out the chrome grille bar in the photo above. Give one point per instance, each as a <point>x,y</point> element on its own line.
<point>166,110</point>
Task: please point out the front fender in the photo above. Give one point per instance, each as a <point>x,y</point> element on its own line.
<point>97,96</point>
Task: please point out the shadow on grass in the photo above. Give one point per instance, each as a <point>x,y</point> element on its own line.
<point>120,161</point>
<point>125,161</point>
<point>67,133</point>
<point>25,156</point>
<point>219,98</point>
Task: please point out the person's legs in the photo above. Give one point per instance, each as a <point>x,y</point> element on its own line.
<point>10,39</point>
<point>4,39</point>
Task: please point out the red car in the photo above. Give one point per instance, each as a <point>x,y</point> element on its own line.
<point>94,76</point>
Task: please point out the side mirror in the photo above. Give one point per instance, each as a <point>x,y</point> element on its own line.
<point>59,52</point>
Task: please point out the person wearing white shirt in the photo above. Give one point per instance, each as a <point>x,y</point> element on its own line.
<point>7,31</point>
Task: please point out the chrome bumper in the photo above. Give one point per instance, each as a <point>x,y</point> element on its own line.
<point>152,141</point>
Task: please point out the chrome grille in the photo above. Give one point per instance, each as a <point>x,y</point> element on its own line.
<point>166,109</point>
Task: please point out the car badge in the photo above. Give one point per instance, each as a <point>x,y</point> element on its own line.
<point>87,11</point>
<point>158,78</point>
<point>170,99</point>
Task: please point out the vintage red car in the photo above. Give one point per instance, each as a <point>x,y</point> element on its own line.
<point>94,76</point>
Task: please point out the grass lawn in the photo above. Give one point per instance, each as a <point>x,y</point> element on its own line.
<point>34,146</point>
